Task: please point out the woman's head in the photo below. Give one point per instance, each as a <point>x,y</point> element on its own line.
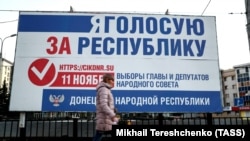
<point>108,78</point>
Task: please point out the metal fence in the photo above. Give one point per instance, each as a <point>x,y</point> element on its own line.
<point>83,129</point>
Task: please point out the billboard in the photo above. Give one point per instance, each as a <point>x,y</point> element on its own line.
<point>161,63</point>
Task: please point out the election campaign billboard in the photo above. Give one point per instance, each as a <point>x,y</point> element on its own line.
<point>161,63</point>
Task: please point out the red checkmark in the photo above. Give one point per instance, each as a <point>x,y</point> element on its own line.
<point>41,72</point>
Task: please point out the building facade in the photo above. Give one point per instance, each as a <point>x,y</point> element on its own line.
<point>5,73</point>
<point>229,87</point>
<point>242,102</point>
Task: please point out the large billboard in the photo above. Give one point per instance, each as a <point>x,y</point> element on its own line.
<point>161,63</point>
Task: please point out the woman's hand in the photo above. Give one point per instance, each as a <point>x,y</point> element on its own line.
<point>115,119</point>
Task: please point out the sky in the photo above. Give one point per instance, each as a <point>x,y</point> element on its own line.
<point>233,46</point>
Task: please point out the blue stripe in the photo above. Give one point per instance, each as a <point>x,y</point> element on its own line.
<point>213,96</point>
<point>54,23</point>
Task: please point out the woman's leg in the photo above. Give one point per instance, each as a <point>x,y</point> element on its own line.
<point>98,136</point>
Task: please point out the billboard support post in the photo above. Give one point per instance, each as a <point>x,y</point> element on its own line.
<point>209,119</point>
<point>75,127</point>
<point>22,125</point>
<point>160,118</point>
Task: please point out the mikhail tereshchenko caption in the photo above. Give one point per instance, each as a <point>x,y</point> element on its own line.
<point>152,132</point>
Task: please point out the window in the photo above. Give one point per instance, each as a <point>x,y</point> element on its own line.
<point>225,87</point>
<point>234,86</point>
<point>235,95</point>
<point>247,83</point>
<point>238,71</point>
<point>225,78</point>
<point>239,84</point>
<point>233,77</point>
<point>227,95</point>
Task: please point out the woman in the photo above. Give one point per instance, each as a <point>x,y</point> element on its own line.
<point>105,108</point>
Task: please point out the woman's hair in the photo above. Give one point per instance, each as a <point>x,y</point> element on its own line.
<point>107,77</point>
